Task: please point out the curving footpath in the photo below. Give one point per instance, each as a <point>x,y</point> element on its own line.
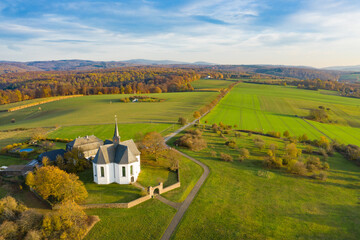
<point>186,203</point>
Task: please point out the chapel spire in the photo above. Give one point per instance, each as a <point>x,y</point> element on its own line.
<point>116,137</point>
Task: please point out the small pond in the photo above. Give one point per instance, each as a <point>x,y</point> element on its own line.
<point>26,150</point>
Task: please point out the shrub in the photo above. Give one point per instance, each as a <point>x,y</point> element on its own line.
<point>249,134</point>
<point>260,145</point>
<point>237,134</point>
<point>303,138</point>
<point>325,166</point>
<point>231,144</point>
<point>297,167</point>
<point>272,162</point>
<point>9,230</point>
<point>292,150</point>
<point>243,154</point>
<point>182,121</point>
<point>213,153</point>
<point>226,157</point>
<point>321,176</point>
<point>192,141</point>
<point>308,149</point>
<point>324,153</point>
<point>274,134</point>
<point>33,235</point>
<point>286,134</point>
<point>273,147</point>
<point>313,164</point>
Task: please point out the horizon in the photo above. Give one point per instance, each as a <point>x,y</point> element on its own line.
<point>251,32</point>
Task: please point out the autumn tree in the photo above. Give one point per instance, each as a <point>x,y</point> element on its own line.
<point>196,115</point>
<point>152,143</point>
<point>182,121</point>
<point>56,185</point>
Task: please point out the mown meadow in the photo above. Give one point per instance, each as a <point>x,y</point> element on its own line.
<point>245,200</point>
<point>278,108</point>
<point>101,109</point>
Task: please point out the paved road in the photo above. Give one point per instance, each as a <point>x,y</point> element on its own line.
<point>173,134</point>
<point>185,205</point>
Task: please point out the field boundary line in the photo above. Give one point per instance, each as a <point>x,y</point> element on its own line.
<point>317,129</point>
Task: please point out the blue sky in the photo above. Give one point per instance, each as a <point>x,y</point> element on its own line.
<point>303,32</point>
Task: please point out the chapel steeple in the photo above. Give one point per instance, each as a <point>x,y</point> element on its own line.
<point>116,137</point>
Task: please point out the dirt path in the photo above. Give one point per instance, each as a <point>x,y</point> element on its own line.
<point>175,205</point>
<point>186,203</point>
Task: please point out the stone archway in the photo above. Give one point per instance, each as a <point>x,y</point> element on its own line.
<point>156,191</point>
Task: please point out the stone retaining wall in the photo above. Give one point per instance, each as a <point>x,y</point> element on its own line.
<point>135,202</point>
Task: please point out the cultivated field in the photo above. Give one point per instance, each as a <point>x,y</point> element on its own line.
<point>240,201</point>
<point>100,109</point>
<point>277,108</point>
<point>211,84</point>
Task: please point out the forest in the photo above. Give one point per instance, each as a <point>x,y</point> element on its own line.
<point>21,86</point>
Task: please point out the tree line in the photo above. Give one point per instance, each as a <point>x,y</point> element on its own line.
<point>15,87</point>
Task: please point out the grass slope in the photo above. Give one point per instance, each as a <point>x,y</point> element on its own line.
<point>145,221</point>
<point>274,108</point>
<point>236,203</point>
<point>190,173</point>
<point>100,109</point>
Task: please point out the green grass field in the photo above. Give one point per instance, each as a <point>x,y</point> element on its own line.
<point>126,131</point>
<point>274,108</point>
<point>211,84</point>
<point>148,220</point>
<point>100,109</point>
<point>190,173</point>
<point>152,176</point>
<point>237,203</point>
<point>7,160</point>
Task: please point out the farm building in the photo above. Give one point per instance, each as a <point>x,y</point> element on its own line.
<point>88,145</point>
<point>16,170</point>
<point>51,155</point>
<point>117,162</point>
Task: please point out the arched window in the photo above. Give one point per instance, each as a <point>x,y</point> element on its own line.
<point>123,172</point>
<point>102,171</point>
<point>131,170</point>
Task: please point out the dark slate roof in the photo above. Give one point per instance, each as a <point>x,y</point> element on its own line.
<point>131,144</point>
<point>114,153</point>
<point>107,141</point>
<point>51,154</point>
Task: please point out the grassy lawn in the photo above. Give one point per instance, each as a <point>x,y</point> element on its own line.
<point>238,203</point>
<point>100,109</point>
<point>145,221</point>
<point>153,175</point>
<point>111,193</point>
<point>274,108</point>
<point>7,160</point>
<point>126,131</point>
<point>190,172</point>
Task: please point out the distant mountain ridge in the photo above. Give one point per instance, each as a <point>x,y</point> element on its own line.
<point>82,65</point>
<point>355,68</point>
